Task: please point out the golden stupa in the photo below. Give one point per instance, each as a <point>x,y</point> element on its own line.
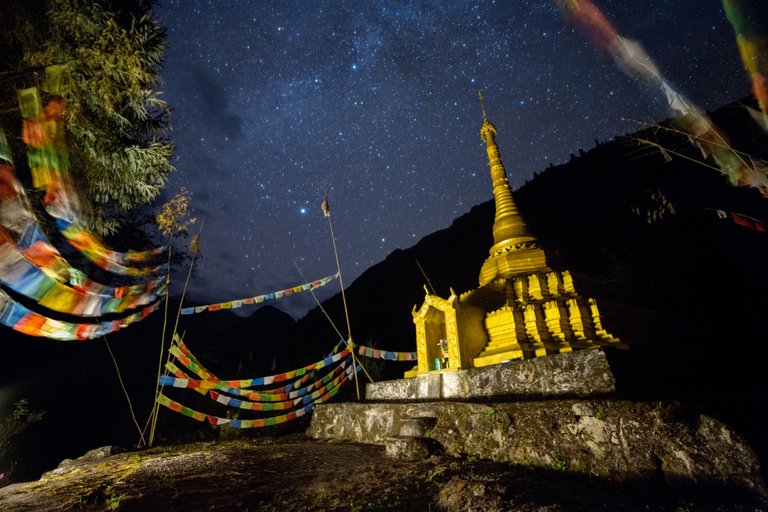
<point>522,308</point>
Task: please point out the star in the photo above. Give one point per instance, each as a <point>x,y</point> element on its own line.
<point>375,106</point>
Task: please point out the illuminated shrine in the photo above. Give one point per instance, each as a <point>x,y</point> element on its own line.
<point>523,307</point>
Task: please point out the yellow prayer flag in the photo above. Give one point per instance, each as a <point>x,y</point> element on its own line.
<point>326,209</point>
<point>193,245</point>
<point>29,102</point>
<point>60,298</point>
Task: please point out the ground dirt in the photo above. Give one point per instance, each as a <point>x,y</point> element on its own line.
<point>293,473</point>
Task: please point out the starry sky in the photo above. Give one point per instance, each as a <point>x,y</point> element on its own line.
<point>279,103</point>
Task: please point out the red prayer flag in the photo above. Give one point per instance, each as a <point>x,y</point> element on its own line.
<point>748,222</point>
<point>7,182</point>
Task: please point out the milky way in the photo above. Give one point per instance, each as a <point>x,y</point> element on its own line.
<point>277,104</point>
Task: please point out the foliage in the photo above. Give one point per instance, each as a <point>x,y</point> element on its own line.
<point>115,119</point>
<point>658,207</point>
<point>113,499</point>
<point>175,216</point>
<point>14,424</point>
<point>558,465</point>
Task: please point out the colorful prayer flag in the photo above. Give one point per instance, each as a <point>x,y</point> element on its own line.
<point>385,354</point>
<point>258,299</point>
<point>632,59</point>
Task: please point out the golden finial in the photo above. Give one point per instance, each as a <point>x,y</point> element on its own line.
<point>488,131</point>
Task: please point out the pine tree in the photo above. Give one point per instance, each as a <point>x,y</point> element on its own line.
<point>110,52</point>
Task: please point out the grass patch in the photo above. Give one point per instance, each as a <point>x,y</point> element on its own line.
<point>558,465</point>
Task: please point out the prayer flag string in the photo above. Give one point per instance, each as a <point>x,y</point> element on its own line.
<point>15,210</point>
<point>257,423</point>
<point>740,219</point>
<point>753,50</point>
<point>166,380</point>
<point>289,404</point>
<point>206,374</point>
<point>37,248</point>
<point>748,222</point>
<point>193,367</point>
<point>44,134</point>
<point>36,273</point>
<point>30,265</point>
<point>296,393</point>
<point>385,354</point>
<point>254,396</point>
<point>258,299</point>
<point>93,248</point>
<point>21,319</point>
<point>17,218</point>
<point>632,59</point>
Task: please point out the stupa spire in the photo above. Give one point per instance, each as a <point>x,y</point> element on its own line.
<point>482,105</point>
<point>510,233</point>
<point>509,228</point>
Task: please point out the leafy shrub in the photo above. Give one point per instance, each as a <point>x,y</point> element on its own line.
<point>13,424</point>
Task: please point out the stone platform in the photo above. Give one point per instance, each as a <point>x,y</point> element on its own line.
<point>615,440</point>
<point>573,374</point>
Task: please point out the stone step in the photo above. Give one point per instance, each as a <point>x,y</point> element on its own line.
<point>407,448</point>
<point>416,426</point>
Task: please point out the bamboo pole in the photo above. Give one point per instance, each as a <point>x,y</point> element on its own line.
<point>350,342</point>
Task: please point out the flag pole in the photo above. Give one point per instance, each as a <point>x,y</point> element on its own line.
<point>156,406</point>
<point>350,343</point>
<point>328,317</point>
<point>426,277</point>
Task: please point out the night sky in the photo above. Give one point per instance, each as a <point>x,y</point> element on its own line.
<point>277,104</point>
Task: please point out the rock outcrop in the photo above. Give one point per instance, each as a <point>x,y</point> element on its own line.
<point>611,439</point>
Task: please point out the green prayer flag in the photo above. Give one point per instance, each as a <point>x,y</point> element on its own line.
<point>29,103</point>
<point>53,79</point>
<point>5,150</point>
